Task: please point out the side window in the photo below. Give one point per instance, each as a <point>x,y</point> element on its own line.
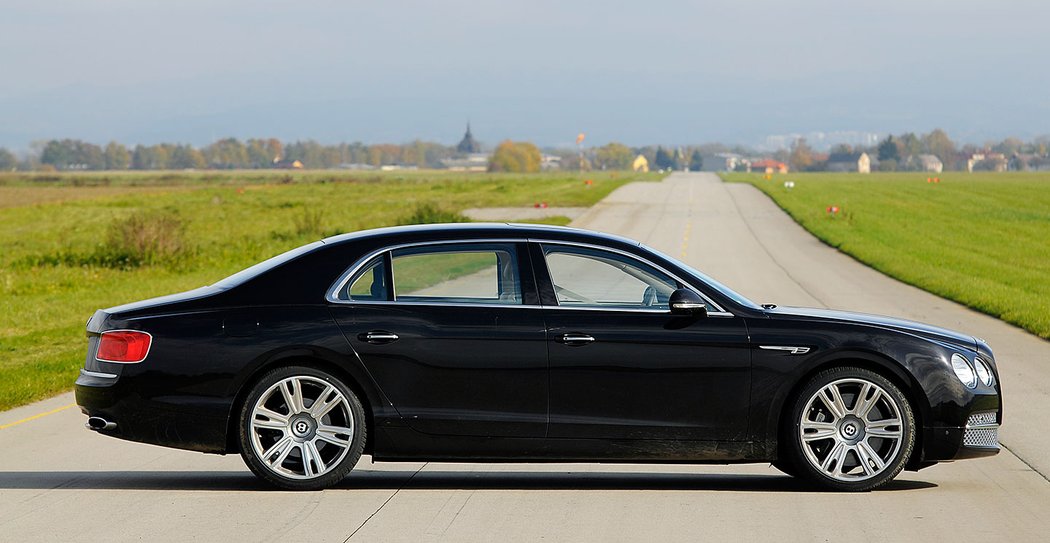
<point>461,273</point>
<point>592,278</point>
<point>370,284</point>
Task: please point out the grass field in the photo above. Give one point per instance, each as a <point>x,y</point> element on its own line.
<point>980,239</point>
<point>56,231</point>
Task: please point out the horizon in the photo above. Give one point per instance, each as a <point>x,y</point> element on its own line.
<point>671,73</point>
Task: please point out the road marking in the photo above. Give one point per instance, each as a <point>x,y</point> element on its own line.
<point>37,416</point>
<point>685,237</point>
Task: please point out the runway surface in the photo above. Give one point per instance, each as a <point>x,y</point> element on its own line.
<point>59,482</point>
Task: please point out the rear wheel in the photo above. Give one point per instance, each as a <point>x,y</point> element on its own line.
<point>301,429</point>
<point>852,429</point>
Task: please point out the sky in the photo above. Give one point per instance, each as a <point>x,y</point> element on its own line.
<point>655,72</point>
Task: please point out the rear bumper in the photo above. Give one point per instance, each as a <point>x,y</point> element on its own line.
<point>180,422</point>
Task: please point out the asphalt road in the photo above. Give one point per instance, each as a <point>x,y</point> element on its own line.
<point>59,482</point>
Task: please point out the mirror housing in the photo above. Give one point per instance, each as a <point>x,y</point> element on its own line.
<point>686,302</point>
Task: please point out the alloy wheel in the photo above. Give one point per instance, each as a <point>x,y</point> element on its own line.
<point>301,427</point>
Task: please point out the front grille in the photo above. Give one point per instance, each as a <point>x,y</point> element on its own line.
<point>981,431</point>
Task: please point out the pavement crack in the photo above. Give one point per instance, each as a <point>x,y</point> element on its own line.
<point>765,249</point>
<point>376,512</point>
<point>1025,462</point>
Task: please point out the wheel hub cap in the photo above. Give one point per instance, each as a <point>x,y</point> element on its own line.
<point>303,426</point>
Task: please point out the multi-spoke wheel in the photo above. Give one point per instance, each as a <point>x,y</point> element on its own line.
<point>301,429</point>
<point>852,430</point>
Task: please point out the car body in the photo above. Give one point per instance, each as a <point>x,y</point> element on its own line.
<point>527,343</point>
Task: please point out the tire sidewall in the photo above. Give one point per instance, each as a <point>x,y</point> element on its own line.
<point>256,465</point>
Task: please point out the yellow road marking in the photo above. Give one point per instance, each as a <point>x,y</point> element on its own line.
<point>685,237</point>
<point>37,416</point>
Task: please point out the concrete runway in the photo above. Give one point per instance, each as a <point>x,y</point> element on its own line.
<point>59,482</point>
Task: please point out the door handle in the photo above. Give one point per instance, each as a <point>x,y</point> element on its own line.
<point>378,337</point>
<point>576,340</point>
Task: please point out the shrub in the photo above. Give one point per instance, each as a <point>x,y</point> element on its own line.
<point>429,213</point>
<point>145,238</point>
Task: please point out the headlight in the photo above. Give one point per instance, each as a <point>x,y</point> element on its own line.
<point>984,373</point>
<point>964,371</point>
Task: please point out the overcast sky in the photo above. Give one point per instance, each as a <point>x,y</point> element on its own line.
<point>144,71</point>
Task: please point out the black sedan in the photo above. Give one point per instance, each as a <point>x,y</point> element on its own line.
<point>527,343</point>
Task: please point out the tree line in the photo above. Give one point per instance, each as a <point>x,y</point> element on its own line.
<point>901,152</point>
<point>895,152</point>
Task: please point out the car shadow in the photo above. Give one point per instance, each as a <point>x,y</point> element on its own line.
<point>363,479</point>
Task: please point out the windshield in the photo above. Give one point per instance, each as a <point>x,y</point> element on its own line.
<point>266,265</point>
<point>724,290</point>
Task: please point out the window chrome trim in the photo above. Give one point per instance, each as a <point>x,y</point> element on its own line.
<point>332,296</point>
<point>333,293</point>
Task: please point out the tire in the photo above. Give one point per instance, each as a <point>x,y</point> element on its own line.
<point>301,428</point>
<point>850,429</point>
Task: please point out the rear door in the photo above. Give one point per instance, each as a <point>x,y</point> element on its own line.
<point>454,336</point>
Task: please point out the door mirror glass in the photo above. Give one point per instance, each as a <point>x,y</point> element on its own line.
<point>686,302</point>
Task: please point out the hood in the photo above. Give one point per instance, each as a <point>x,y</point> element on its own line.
<point>924,330</point>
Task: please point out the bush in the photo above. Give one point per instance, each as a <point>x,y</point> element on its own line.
<point>144,239</point>
<point>309,222</point>
<point>429,213</point>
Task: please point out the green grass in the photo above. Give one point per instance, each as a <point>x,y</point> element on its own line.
<point>980,239</point>
<point>51,280</point>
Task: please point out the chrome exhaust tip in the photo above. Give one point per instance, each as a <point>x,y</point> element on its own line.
<point>99,423</point>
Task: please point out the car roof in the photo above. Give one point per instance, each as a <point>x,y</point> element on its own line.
<point>465,230</point>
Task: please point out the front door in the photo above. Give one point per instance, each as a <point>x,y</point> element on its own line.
<point>446,333</point>
<point>623,367</point>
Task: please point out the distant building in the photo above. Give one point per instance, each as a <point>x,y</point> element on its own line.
<point>988,162</point>
<point>927,163</point>
<point>768,165</point>
<point>287,164</point>
<point>724,162</point>
<point>550,162</point>
<point>474,162</point>
<point>468,145</point>
<point>849,162</point>
<point>640,164</point>
<point>1029,163</point>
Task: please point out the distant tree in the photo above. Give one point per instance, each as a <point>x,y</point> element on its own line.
<point>227,153</point>
<point>58,154</point>
<point>116,156</point>
<point>889,149</point>
<point>910,145</point>
<point>663,160</point>
<point>938,144</point>
<point>8,160</point>
<point>152,157</point>
<point>515,157</point>
<point>801,157</point>
<point>613,156</point>
<point>1009,146</point>
<point>186,157</point>
<point>71,154</point>
<point>842,148</point>
<point>888,165</point>
<point>696,162</point>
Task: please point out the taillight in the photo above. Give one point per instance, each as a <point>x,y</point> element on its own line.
<point>123,346</point>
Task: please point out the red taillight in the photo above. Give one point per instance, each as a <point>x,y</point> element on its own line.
<point>124,346</point>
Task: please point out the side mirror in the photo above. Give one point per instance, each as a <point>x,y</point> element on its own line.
<point>686,302</point>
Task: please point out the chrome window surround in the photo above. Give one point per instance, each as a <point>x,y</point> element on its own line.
<point>332,295</point>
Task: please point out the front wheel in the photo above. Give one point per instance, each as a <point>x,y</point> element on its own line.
<point>851,429</point>
<point>301,429</point>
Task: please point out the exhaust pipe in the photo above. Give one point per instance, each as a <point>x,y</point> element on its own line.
<point>99,423</point>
